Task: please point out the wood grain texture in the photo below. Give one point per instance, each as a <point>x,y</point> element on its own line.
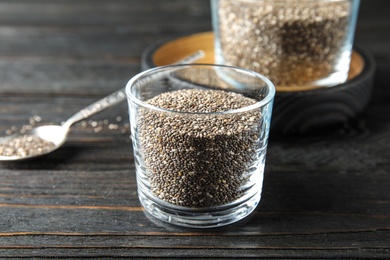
<point>325,193</point>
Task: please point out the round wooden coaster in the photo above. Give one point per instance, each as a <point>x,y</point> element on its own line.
<point>296,109</point>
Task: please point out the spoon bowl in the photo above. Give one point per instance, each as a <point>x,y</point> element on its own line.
<point>55,134</point>
<point>51,136</point>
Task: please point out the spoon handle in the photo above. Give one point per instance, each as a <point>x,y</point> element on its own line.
<point>96,107</point>
<point>117,96</point>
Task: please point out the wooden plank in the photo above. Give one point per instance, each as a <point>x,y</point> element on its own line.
<point>157,244</point>
<point>58,77</point>
<point>144,13</point>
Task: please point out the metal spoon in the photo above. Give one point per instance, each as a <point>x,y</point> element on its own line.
<point>57,134</point>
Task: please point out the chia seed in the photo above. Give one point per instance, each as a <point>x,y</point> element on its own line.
<point>25,145</point>
<point>201,157</point>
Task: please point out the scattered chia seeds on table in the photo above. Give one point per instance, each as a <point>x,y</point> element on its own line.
<point>291,43</point>
<point>25,145</point>
<point>199,160</point>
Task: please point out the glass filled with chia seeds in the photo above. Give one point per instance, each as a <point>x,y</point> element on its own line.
<point>292,42</point>
<point>199,136</point>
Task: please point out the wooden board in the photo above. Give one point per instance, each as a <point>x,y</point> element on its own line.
<point>296,109</point>
<point>176,49</point>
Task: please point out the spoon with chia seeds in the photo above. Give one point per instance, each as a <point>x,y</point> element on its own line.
<point>45,139</point>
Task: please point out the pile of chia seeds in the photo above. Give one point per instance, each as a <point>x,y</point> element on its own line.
<point>25,145</point>
<point>197,159</point>
<point>290,42</point>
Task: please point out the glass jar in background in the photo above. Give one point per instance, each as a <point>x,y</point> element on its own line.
<point>292,42</point>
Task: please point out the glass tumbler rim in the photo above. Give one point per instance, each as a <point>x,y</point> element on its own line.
<point>261,103</point>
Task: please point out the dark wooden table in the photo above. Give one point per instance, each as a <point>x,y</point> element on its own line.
<point>326,194</point>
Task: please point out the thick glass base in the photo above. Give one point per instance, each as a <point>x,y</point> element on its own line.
<point>199,217</point>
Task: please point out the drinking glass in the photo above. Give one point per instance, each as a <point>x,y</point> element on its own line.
<point>199,134</point>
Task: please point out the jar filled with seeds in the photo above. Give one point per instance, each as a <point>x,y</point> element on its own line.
<point>199,135</point>
<point>292,42</point>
